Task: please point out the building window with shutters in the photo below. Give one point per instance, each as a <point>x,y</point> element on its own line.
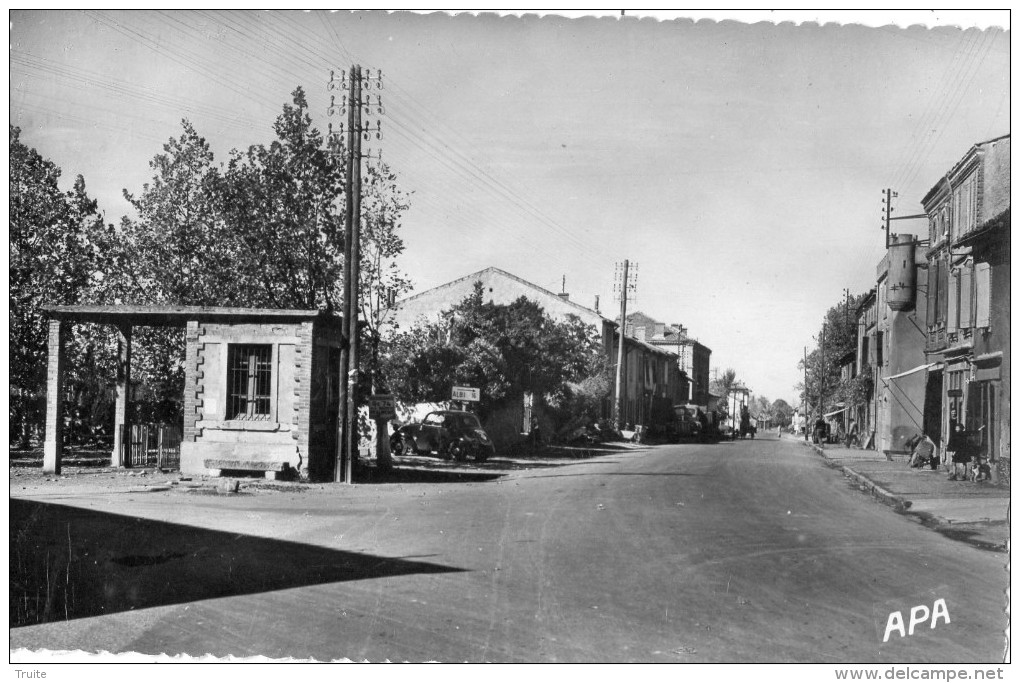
<point>966,307</point>
<point>932,294</point>
<point>249,381</point>
<point>953,303</point>
<point>982,295</point>
<point>942,301</point>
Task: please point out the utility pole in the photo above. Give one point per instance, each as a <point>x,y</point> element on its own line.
<point>619,352</point>
<point>733,413</point>
<point>846,309</point>
<point>347,411</point>
<point>353,307</point>
<point>805,395</point>
<point>887,212</point>
<point>821,376</point>
<point>887,216</point>
<point>680,355</point>
<point>344,467</point>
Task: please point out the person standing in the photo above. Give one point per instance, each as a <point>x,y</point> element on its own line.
<point>852,436</point>
<point>958,448</point>
<point>820,429</point>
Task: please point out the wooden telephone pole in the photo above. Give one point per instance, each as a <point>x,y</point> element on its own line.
<point>805,396</point>
<point>821,377</point>
<point>619,353</point>
<point>347,417</point>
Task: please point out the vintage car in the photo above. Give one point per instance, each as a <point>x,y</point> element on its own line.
<point>453,434</point>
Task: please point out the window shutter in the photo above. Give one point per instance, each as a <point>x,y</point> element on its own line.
<point>982,295</point>
<point>952,318</point>
<point>966,301</point>
<point>940,316</point>
<point>932,294</point>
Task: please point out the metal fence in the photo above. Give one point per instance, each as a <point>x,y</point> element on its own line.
<point>154,445</point>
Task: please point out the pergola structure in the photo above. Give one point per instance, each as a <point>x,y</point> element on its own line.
<point>281,358</point>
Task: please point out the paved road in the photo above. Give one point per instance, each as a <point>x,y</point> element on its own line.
<point>737,552</point>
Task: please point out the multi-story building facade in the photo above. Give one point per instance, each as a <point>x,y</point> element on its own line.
<point>693,357</point>
<point>899,360</point>
<point>968,300</point>
<point>869,354</point>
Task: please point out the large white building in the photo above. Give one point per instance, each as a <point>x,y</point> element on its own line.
<point>649,373</point>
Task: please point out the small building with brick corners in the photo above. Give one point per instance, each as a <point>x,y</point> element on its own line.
<point>260,392</point>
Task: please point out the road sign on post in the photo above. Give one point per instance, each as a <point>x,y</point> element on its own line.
<point>466,394</point>
<point>381,407</point>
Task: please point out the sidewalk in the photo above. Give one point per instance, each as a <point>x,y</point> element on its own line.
<point>975,512</point>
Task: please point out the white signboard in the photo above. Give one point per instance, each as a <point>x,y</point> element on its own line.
<point>382,406</point>
<point>466,394</point>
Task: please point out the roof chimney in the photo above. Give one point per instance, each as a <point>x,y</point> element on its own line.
<point>596,303</point>
<point>563,290</point>
<point>660,330</point>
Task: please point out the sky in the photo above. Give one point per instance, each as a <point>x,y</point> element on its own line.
<point>739,163</point>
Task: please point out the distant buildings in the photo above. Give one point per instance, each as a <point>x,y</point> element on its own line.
<point>653,380</point>
<point>694,357</point>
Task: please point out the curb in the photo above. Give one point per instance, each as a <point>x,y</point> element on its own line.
<point>900,503</point>
<point>887,497</point>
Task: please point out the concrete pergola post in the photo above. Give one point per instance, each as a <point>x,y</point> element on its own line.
<point>54,445</point>
<point>121,421</point>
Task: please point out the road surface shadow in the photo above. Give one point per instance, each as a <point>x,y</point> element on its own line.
<point>69,563</point>
<point>981,535</point>
<point>422,475</point>
<point>421,469</point>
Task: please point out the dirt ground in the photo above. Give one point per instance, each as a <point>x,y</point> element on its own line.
<point>59,551</point>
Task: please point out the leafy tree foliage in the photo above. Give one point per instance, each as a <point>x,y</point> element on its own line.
<point>61,252</point>
<point>264,230</point>
<point>505,350</point>
<point>382,281</point>
<point>781,412</point>
<point>177,230</point>
<point>723,386</point>
<point>839,331</point>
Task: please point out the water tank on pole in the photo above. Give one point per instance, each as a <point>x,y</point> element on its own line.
<point>902,272</point>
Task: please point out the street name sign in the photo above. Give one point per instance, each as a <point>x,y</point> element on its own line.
<point>466,394</point>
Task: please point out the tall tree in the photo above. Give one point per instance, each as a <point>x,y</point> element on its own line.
<point>177,234</point>
<point>61,252</point>
<point>382,281</point>
<point>839,331</point>
<point>286,195</point>
<point>265,230</point>
<point>722,387</point>
<point>781,412</point>
<point>505,350</point>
